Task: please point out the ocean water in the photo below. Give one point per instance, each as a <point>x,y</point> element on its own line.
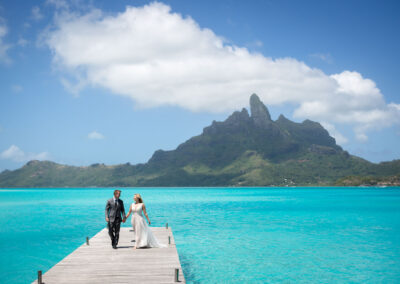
<point>223,235</point>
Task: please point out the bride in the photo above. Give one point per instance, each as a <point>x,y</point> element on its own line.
<point>144,235</point>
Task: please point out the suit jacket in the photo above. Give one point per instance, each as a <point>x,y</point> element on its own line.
<point>114,211</point>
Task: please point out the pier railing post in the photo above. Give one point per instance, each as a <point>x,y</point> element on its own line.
<point>176,278</point>
<point>166,225</point>
<point>39,277</point>
<point>87,240</point>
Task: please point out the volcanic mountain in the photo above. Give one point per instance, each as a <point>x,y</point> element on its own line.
<point>244,150</point>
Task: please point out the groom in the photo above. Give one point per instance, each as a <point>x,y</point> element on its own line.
<point>114,209</point>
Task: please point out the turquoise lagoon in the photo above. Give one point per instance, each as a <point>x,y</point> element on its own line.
<point>223,235</point>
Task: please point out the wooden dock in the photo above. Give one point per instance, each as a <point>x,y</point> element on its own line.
<point>98,262</point>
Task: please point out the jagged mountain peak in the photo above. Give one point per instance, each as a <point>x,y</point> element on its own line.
<point>259,112</point>
<point>242,150</point>
<point>282,118</point>
<point>238,116</point>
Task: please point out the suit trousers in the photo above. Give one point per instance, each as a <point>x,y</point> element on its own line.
<point>113,230</point>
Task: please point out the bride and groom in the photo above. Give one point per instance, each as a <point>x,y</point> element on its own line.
<point>115,214</point>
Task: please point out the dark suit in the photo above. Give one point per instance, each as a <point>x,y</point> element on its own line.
<point>114,210</point>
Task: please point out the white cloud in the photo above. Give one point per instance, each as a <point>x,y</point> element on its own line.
<point>356,101</point>
<point>158,58</point>
<point>4,58</point>
<point>340,139</point>
<point>36,14</point>
<point>17,155</point>
<point>95,135</point>
<point>73,88</point>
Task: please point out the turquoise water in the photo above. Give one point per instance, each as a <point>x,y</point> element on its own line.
<point>223,235</point>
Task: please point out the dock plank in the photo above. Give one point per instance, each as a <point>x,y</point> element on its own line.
<point>98,262</point>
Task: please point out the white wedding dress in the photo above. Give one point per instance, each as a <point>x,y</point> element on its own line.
<point>143,233</point>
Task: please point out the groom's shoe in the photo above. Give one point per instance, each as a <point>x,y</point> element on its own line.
<point>114,247</point>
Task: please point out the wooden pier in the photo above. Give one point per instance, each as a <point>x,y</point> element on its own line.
<point>97,262</point>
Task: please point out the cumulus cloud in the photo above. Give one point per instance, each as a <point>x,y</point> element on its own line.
<point>340,139</point>
<point>95,135</point>
<point>157,58</point>
<point>355,101</point>
<point>15,154</point>
<point>4,58</point>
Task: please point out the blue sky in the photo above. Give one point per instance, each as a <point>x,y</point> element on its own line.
<point>85,82</point>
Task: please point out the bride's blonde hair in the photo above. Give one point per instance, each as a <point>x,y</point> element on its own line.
<point>140,200</point>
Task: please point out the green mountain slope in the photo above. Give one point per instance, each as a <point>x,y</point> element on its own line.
<point>243,150</point>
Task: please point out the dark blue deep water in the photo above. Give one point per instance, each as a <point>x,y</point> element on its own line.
<point>223,235</point>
